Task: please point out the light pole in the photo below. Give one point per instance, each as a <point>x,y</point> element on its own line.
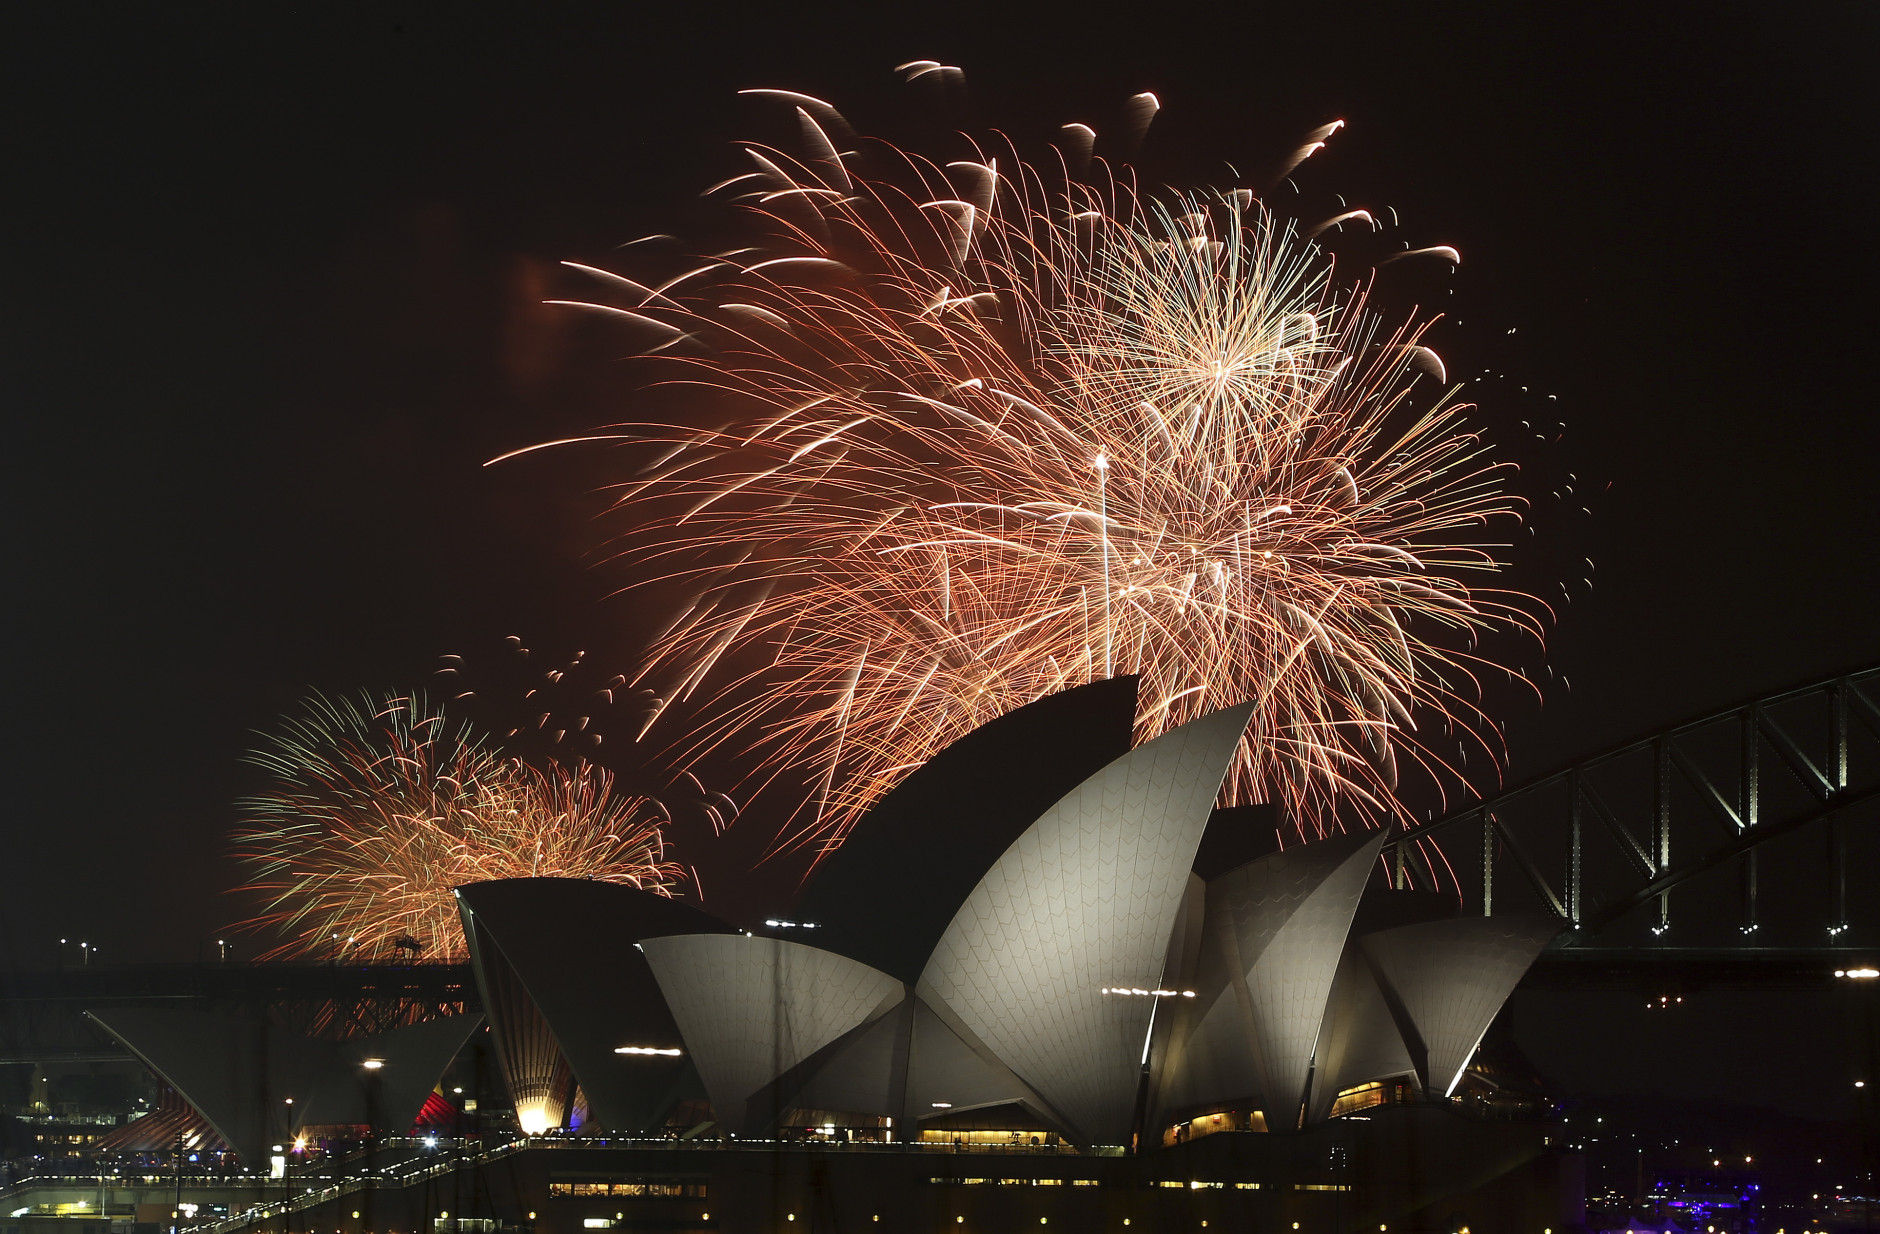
<point>176,1168</point>
<point>372,1067</point>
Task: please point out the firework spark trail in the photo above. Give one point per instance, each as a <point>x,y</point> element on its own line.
<point>562,708</point>
<point>380,807</point>
<point>989,433</point>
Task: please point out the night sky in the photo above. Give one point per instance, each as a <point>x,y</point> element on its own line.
<point>272,293</point>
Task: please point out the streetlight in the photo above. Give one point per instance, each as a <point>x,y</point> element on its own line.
<point>176,1166</point>
<point>372,1067</point>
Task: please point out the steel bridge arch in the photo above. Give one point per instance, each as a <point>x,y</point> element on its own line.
<point>1713,772</point>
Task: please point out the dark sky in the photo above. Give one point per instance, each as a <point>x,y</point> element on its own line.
<point>271,281</point>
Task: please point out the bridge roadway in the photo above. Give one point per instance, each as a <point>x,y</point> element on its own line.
<point>42,1013</point>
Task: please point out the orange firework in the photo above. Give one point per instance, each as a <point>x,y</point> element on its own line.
<point>381,807</point>
<point>980,433</point>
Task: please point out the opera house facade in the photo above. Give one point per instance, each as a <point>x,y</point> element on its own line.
<point>1017,941</point>
<point>1043,945</point>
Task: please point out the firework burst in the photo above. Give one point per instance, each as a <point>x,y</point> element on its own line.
<point>381,807</point>
<point>982,432</point>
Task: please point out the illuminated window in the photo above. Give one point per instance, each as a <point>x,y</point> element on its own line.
<point>1363,1097</point>
<point>630,1189</point>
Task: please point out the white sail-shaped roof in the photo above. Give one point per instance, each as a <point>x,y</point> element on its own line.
<point>1274,930</point>
<point>1359,1041</point>
<point>949,1074</point>
<point>911,1065</point>
<point>1287,986</point>
<point>751,1009</point>
<point>1084,901</point>
<point>863,1073</point>
<point>1449,978</point>
<point>560,1010</point>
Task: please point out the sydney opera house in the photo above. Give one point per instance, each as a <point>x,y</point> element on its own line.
<point>1044,979</point>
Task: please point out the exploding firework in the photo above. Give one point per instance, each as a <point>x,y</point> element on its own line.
<point>379,808</point>
<point>983,431</point>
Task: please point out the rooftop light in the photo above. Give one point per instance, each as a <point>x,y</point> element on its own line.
<point>1139,992</point>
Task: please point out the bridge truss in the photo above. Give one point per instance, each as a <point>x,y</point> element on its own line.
<point>1604,844</point>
